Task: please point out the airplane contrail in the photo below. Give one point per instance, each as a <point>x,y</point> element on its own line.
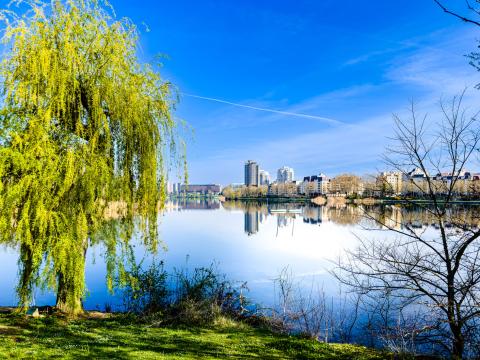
<point>332,121</point>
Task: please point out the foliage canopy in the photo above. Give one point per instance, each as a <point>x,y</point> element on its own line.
<point>83,125</point>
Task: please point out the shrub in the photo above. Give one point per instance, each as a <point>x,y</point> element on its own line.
<point>148,292</point>
<point>198,297</point>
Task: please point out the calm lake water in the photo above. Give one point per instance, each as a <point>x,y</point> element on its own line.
<point>250,242</point>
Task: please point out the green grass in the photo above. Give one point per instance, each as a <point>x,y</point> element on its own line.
<point>117,338</point>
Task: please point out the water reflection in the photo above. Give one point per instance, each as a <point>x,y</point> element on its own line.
<point>193,204</point>
<point>255,213</point>
<point>251,222</point>
<point>385,217</point>
<point>315,215</point>
<point>251,242</point>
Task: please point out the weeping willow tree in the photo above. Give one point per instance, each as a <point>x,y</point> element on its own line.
<point>84,127</point>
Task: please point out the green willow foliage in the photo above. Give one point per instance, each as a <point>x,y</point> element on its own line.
<point>84,127</point>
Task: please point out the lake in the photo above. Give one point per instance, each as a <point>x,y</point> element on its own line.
<point>248,241</point>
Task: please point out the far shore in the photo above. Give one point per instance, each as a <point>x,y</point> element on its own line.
<point>340,200</point>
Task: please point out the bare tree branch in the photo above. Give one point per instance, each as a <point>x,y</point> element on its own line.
<point>463,18</point>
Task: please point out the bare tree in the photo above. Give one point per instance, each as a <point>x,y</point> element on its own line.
<point>432,268</point>
<point>472,12</point>
<point>310,312</point>
<point>470,16</point>
<point>347,184</point>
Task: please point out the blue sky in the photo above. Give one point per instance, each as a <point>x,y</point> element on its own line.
<point>356,62</point>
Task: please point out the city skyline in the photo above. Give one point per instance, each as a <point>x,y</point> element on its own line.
<point>348,85</point>
<point>255,178</point>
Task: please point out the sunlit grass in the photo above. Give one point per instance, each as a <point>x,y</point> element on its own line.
<point>120,338</point>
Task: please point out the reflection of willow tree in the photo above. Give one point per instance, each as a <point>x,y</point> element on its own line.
<point>83,124</point>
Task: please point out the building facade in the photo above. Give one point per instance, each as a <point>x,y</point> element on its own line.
<point>252,173</point>
<point>391,181</point>
<point>264,177</point>
<point>314,185</point>
<point>285,175</point>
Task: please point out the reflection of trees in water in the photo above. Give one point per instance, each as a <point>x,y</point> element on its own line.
<point>246,206</point>
<point>393,216</point>
<point>346,214</point>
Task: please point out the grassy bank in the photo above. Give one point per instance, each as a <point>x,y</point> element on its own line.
<point>116,337</point>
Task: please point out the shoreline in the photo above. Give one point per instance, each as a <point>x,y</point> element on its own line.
<point>322,200</point>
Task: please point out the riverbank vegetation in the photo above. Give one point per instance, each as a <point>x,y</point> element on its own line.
<point>186,314</point>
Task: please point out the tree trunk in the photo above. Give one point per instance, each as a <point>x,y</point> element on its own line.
<point>69,295</point>
<point>25,287</point>
<point>65,303</point>
<point>458,347</point>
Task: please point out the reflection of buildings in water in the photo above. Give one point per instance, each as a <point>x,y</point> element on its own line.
<point>282,221</point>
<point>263,217</point>
<point>285,214</point>
<point>369,216</point>
<point>256,214</point>
<point>193,204</point>
<point>397,217</point>
<point>392,218</point>
<point>172,206</point>
<point>315,214</point>
<point>251,222</point>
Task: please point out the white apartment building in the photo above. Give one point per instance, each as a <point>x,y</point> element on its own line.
<point>315,184</point>
<point>264,177</point>
<point>393,179</point>
<point>285,175</point>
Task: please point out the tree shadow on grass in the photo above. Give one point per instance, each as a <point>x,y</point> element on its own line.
<point>106,338</point>
<point>124,338</point>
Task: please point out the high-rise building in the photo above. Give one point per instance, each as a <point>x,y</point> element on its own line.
<point>252,174</point>
<point>285,175</point>
<point>264,177</point>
